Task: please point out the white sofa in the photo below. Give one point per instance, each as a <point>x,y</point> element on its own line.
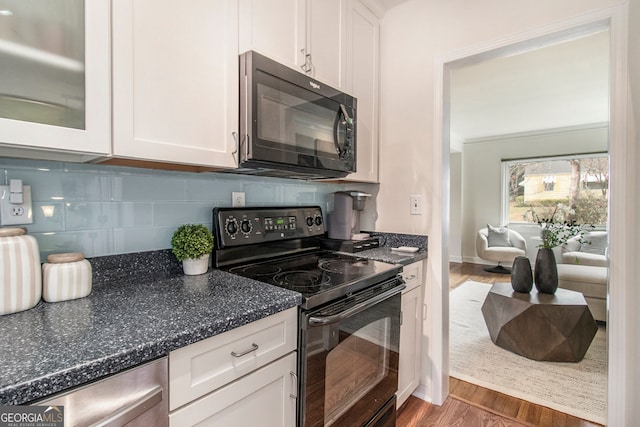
<point>574,252</point>
<point>582,270</point>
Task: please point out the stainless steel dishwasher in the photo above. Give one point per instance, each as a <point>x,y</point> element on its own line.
<point>136,397</point>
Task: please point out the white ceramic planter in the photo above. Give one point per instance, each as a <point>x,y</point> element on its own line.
<point>193,267</point>
<point>20,273</point>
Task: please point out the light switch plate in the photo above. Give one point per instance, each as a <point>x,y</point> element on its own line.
<point>417,207</point>
<point>15,213</point>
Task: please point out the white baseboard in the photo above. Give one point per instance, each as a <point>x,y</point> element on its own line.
<point>476,260</point>
<point>457,259</point>
<point>421,393</point>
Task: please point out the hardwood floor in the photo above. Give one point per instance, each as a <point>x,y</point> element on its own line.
<point>462,272</point>
<point>469,405</point>
<point>474,406</point>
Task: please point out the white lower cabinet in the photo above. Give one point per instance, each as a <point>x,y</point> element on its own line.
<point>266,397</point>
<point>410,333</point>
<point>243,377</point>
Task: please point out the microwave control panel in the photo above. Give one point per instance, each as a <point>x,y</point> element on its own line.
<point>243,226</point>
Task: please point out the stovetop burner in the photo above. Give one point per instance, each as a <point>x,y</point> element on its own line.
<point>345,266</point>
<point>256,270</point>
<point>301,280</point>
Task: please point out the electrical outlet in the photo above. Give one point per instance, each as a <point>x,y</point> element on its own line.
<point>237,199</point>
<point>417,207</point>
<point>16,213</point>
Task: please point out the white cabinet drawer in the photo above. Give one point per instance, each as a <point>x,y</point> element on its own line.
<point>266,398</point>
<point>412,275</point>
<point>202,367</point>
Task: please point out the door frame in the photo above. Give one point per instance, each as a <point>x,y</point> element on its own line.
<point>621,202</point>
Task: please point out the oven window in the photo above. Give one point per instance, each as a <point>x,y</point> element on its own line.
<point>293,119</point>
<point>351,366</point>
<point>355,366</point>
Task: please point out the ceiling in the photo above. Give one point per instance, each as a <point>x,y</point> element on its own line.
<point>562,85</point>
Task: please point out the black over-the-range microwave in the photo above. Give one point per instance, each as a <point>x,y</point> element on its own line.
<point>292,125</point>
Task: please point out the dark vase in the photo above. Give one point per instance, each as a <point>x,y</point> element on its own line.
<point>521,275</point>
<point>546,271</point>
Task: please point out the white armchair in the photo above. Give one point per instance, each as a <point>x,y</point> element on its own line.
<point>500,254</point>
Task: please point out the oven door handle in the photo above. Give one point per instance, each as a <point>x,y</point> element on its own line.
<point>327,320</point>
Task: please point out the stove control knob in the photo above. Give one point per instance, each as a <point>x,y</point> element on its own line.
<point>231,226</point>
<point>309,221</point>
<point>245,226</point>
<point>318,220</point>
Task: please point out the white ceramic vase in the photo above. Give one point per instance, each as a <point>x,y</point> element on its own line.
<point>193,267</point>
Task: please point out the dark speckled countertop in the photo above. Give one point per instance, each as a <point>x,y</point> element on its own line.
<point>394,240</point>
<point>55,346</point>
<point>385,254</point>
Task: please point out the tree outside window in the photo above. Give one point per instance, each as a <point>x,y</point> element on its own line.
<point>574,188</point>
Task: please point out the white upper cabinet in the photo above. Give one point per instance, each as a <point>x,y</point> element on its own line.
<point>307,35</point>
<point>327,41</point>
<point>363,30</point>
<point>54,76</point>
<point>274,28</point>
<point>175,81</point>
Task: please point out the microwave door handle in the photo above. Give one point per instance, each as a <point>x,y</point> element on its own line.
<point>336,123</point>
<point>341,150</point>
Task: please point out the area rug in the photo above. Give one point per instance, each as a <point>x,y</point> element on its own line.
<point>578,389</point>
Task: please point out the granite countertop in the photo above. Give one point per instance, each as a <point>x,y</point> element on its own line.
<point>395,240</point>
<point>55,346</point>
<point>385,254</point>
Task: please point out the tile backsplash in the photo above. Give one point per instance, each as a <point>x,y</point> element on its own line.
<point>104,210</point>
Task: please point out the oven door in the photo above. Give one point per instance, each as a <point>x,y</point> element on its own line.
<point>289,119</point>
<point>349,358</point>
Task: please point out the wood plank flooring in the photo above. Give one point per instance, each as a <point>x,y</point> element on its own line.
<point>474,406</point>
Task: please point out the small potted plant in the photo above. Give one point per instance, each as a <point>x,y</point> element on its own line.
<point>192,244</point>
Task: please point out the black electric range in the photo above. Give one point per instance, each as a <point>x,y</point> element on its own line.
<point>281,246</point>
<point>349,316</point>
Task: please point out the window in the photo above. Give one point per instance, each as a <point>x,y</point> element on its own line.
<point>565,188</point>
<point>549,182</point>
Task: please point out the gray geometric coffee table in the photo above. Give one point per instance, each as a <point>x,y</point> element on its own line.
<point>555,328</point>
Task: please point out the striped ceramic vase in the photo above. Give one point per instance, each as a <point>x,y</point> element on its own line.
<point>66,276</point>
<point>20,274</point>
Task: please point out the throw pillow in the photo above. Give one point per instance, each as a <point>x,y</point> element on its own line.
<point>598,244</point>
<point>498,236</point>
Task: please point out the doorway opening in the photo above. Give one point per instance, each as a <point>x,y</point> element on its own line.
<point>495,129</point>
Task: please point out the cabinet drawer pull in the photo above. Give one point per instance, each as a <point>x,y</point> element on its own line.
<point>295,385</point>
<point>254,347</point>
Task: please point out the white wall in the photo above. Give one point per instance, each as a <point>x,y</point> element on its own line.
<point>415,36</point>
<point>482,173</point>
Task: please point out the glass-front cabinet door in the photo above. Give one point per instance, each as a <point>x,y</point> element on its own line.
<point>55,75</point>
